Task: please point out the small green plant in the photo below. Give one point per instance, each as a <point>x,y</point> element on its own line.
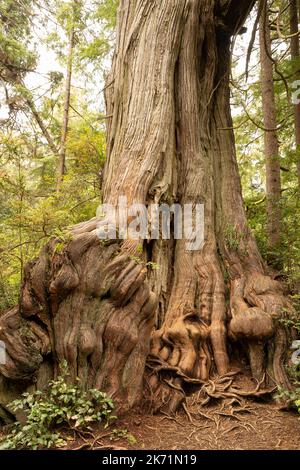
<point>62,235</point>
<point>140,249</point>
<point>233,239</point>
<point>149,264</point>
<point>152,265</point>
<point>136,259</point>
<point>118,434</point>
<point>290,319</point>
<point>63,404</point>
<point>291,397</point>
<point>59,247</point>
<point>104,242</point>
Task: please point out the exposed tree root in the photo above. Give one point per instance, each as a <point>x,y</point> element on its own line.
<point>220,389</point>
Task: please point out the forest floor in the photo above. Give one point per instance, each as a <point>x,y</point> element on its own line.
<point>247,425</point>
<point>254,426</point>
<point>258,426</point>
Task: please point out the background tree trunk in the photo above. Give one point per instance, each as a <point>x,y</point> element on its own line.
<point>41,125</point>
<point>67,95</point>
<point>93,304</point>
<point>271,150</point>
<point>295,54</point>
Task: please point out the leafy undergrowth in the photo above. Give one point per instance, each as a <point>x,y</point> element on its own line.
<point>51,415</point>
<point>292,397</point>
<point>67,417</point>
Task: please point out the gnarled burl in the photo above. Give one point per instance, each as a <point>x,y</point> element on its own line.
<point>169,140</point>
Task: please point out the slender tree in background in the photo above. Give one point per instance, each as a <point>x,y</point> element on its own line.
<point>271,146</point>
<point>67,92</point>
<point>295,54</point>
<point>17,60</point>
<point>42,125</point>
<point>122,326</point>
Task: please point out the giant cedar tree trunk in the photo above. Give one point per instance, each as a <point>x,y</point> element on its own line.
<point>169,140</point>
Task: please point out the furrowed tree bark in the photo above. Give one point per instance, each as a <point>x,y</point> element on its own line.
<point>271,145</point>
<point>295,54</point>
<point>122,326</point>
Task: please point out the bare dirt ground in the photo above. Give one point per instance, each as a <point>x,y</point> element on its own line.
<point>252,426</point>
